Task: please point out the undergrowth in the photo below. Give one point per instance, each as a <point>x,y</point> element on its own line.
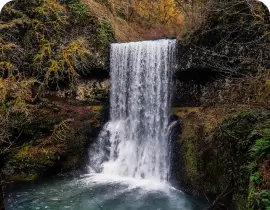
<point>252,90</point>
<point>259,193</point>
<point>44,45</point>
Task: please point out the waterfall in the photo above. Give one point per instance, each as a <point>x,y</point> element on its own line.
<point>135,143</point>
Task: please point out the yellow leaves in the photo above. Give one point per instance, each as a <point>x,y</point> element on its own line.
<point>54,66</point>
<point>6,49</point>
<point>9,56</point>
<point>7,69</point>
<point>72,51</point>
<point>50,19</point>
<point>51,9</point>
<point>76,46</point>
<point>96,108</point>
<point>64,62</point>
<point>41,152</point>
<point>14,16</point>
<point>53,71</point>
<point>52,6</point>
<point>45,51</point>
<point>4,65</point>
<point>45,151</point>
<point>160,11</point>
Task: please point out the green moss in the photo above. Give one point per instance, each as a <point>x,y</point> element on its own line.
<point>215,147</point>
<point>191,159</point>
<point>232,141</point>
<point>28,162</point>
<point>22,152</point>
<point>27,177</point>
<point>38,141</point>
<point>184,111</point>
<point>96,108</point>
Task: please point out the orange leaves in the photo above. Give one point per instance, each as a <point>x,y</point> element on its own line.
<point>158,12</point>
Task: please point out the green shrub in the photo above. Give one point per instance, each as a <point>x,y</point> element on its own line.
<point>78,11</point>
<point>105,32</point>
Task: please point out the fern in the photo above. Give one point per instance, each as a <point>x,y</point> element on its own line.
<point>261,201</point>
<point>259,151</point>
<point>261,147</point>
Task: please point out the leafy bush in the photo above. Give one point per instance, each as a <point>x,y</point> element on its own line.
<point>44,44</point>
<point>106,32</point>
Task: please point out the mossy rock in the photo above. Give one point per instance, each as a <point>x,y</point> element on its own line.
<point>214,150</point>
<point>28,162</point>
<point>191,160</point>
<point>53,140</point>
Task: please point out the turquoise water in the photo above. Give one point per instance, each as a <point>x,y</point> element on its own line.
<point>98,192</point>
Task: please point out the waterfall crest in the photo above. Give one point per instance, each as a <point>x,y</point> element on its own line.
<point>135,143</point>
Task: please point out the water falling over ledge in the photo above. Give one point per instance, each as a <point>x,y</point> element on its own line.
<point>135,143</point>
<point>130,161</point>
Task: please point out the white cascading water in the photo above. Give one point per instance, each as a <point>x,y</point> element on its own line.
<point>135,143</point>
<point>130,161</point>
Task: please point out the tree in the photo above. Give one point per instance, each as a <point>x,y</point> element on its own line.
<point>158,12</point>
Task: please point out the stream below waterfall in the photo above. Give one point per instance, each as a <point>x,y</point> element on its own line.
<point>99,191</point>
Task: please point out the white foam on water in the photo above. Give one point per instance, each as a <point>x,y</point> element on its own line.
<point>131,183</point>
